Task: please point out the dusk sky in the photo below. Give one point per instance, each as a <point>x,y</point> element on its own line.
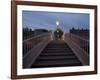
<point>47,20</point>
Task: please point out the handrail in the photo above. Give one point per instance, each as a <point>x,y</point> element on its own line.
<point>81,42</point>
<point>35,37</point>
<point>80,47</point>
<point>79,37</point>
<point>28,44</point>
<point>31,55</point>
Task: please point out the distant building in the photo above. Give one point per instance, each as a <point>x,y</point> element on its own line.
<point>80,32</point>
<point>40,31</point>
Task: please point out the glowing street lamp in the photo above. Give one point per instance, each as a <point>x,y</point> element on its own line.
<point>57,23</point>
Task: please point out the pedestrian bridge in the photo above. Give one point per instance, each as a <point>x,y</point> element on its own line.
<point>44,51</point>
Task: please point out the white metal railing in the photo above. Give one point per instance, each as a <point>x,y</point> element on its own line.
<point>79,46</point>
<point>30,43</point>
<point>37,44</point>
<point>79,41</point>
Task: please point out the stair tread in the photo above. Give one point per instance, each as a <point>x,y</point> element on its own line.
<point>56,57</point>
<point>56,54</point>
<point>56,51</point>
<point>57,45</point>
<point>57,48</point>
<point>55,62</point>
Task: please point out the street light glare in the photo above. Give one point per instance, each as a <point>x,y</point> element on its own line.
<point>57,23</point>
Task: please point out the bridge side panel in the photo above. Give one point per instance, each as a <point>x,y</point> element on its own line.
<point>31,56</point>
<point>79,52</point>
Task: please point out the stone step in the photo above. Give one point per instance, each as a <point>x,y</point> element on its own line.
<point>56,46</point>
<point>57,51</point>
<point>56,54</point>
<point>56,57</point>
<point>57,63</point>
<point>52,48</point>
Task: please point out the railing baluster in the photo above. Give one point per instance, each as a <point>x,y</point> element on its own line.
<point>81,42</point>
<point>30,43</point>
